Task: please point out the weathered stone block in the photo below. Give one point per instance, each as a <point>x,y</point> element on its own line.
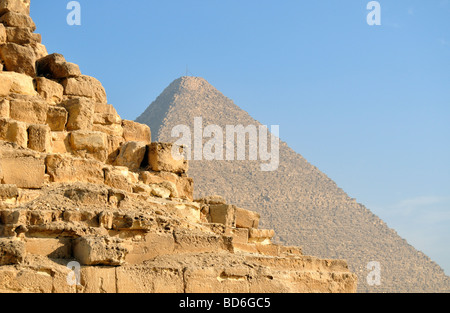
<point>99,251</point>
<point>29,111</point>
<point>160,158</point>
<point>11,82</point>
<point>131,155</point>
<point>153,245</point>
<point>39,49</point>
<point>95,279</point>
<point>14,19</point>
<point>18,6</point>
<point>145,279</point>
<point>261,236</point>
<point>119,178</point>
<point>184,185</point>
<point>50,90</point>
<point>2,34</point>
<point>13,131</point>
<point>17,58</point>
<point>55,66</point>
<point>4,108</point>
<point>81,113</point>
<point>106,114</point>
<point>11,252</point>
<point>133,131</point>
<point>67,169</point>
<point>85,86</point>
<point>85,143</point>
<point>23,171</point>
<point>22,35</point>
<point>55,248</point>
<point>247,219</point>
<point>39,138</point>
<point>60,142</point>
<point>111,130</point>
<point>222,214</point>
<point>57,118</point>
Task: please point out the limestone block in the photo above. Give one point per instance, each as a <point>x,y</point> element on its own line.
<point>212,200</point>
<point>152,245</point>
<point>2,34</point>
<point>217,280</point>
<point>20,59</point>
<point>114,143</point>
<point>239,235</point>
<point>160,158</point>
<point>57,118</point>
<point>33,111</point>
<point>111,130</point>
<point>99,251</point>
<point>18,6</point>
<point>39,49</point>
<point>4,108</point>
<point>13,131</point>
<point>8,194</point>
<point>50,90</point>
<point>62,168</point>
<point>119,178</point>
<point>261,236</point>
<point>39,138</point>
<point>60,142</point>
<point>55,248</point>
<point>23,171</point>
<point>184,185</point>
<point>199,242</point>
<point>88,143</point>
<point>14,19</point>
<point>222,214</point>
<point>133,131</point>
<point>22,35</point>
<point>160,191</point>
<point>145,279</point>
<point>106,114</point>
<point>85,86</point>
<point>247,219</point>
<point>11,82</point>
<point>11,252</point>
<point>81,113</point>
<point>131,155</point>
<point>55,66</point>
<point>95,279</point>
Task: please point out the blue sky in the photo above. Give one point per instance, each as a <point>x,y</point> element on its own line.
<point>368,105</point>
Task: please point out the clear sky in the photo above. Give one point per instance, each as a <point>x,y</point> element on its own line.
<point>368,105</point>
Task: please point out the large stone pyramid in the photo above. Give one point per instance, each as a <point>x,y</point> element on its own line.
<point>301,203</point>
<point>88,203</point>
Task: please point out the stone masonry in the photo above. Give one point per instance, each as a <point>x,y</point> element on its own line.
<point>80,184</point>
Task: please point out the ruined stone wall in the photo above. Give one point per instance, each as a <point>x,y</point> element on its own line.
<point>79,184</point>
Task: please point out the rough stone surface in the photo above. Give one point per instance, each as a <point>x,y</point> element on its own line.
<point>85,86</point>
<point>17,58</point>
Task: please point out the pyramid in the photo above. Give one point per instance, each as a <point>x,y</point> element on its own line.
<point>90,204</point>
<point>297,200</point>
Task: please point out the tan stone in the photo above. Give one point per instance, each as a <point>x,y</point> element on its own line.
<point>55,248</point>
<point>22,170</point>
<point>119,177</point>
<point>217,280</point>
<point>160,158</point>
<point>18,6</point>
<point>8,192</point>
<point>13,19</point>
<point>57,118</point>
<point>29,111</point>
<point>222,214</point>
<point>261,236</point>
<point>115,130</point>
<point>247,219</point>
<point>85,143</point>
<point>60,142</point>
<point>39,138</point>
<point>239,235</point>
<point>11,82</point>
<point>81,113</point>
<point>133,131</point>
<point>106,114</point>
<point>4,108</point>
<point>11,252</point>
<point>95,279</point>
<point>184,185</point>
<point>114,143</point>
<point>50,90</point>
<point>85,86</point>
<point>152,245</point>
<point>16,58</point>
<point>39,49</point>
<point>14,131</point>
<point>2,34</point>
<point>55,66</point>
<point>144,279</point>
<point>99,251</point>
<point>67,169</point>
<point>131,155</point>
<point>22,35</point>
